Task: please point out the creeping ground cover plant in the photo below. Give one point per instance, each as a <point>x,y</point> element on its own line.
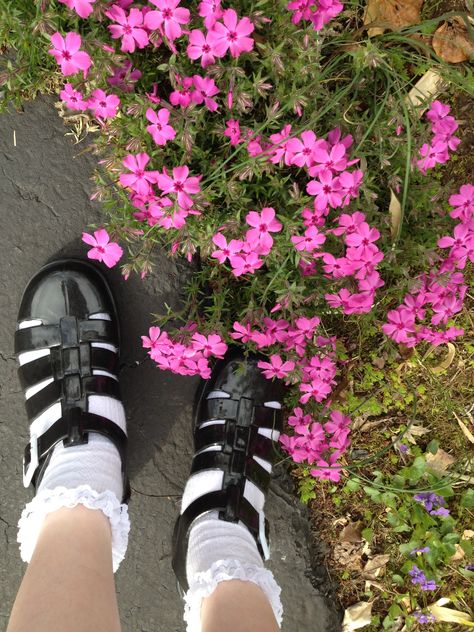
<point>278,149</point>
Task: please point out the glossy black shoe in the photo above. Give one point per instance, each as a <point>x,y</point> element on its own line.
<point>240,400</point>
<point>63,298</point>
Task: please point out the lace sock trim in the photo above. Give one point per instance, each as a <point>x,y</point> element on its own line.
<point>49,500</point>
<point>204,583</point>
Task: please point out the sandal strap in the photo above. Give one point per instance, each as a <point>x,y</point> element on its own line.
<point>242,410</point>
<point>69,333</point>
<point>72,428</point>
<point>231,436</point>
<point>232,507</point>
<point>61,362</point>
<point>72,390</point>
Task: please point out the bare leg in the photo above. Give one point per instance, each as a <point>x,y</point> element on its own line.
<point>237,606</point>
<point>69,583</point>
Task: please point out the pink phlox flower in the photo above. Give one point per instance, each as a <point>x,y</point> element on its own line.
<point>295,341</point>
<point>320,368</point>
<point>462,241</point>
<point>373,281</point>
<point>316,389</point>
<point>245,263</point>
<point>307,268</point>
<point>314,434</point>
<point>358,303</point>
<point>241,332</point>
<point>350,182</point>
<point>232,35</point>
<point>168,18</point>
<point>261,339</point>
<point>205,89</point>
<point>154,212</point>
<point>363,235</point>
<point>313,217</point>
<point>152,96</point>
<point>139,180</point>
<point>335,266</point>
<point>73,98</point>
<point>311,240</point>
<point>276,367</point>
<point>415,304</point>
<point>327,470</point>
<point>254,146</point>
<point>444,310</point>
<point>300,152</point>
<point>102,248</point>
<point>159,129</point>
<point>401,323</point>
<point>464,203</point>
<point>436,153</point>
<point>307,325</point>
<point>211,11</point>
<point>83,8</point>
<point>180,184</point>
<point>182,95</point>
<point>348,223</point>
<point>157,341</point>
<point>333,160</point>
<point>340,440</point>
<point>67,54</point>
<point>226,250</point>
<point>277,329</point>
<point>298,418</point>
<point>326,10</point>
<point>211,345</point>
<point>263,224</point>
<point>103,106</point>
<point>327,190</point>
<point>334,137</point>
<point>279,144</point>
<point>129,27</point>
<point>437,111</point>
<point>233,131</point>
<point>302,10</point>
<point>124,77</point>
<point>200,47</point>
<point>338,422</point>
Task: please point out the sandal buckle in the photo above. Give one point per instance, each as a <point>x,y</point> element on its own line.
<point>33,461</point>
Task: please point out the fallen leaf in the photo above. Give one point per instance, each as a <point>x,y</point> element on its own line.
<point>440,461</point>
<point>348,555</point>
<point>395,210</point>
<point>351,533</point>
<point>357,616</point>
<point>394,14</point>
<point>449,615</point>
<point>459,554</point>
<point>446,363</point>
<point>452,43</point>
<point>465,430</point>
<point>414,431</point>
<point>375,567</point>
<point>427,88</point>
<point>467,534</point>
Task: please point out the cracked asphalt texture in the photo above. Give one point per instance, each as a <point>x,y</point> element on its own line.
<point>44,206</point>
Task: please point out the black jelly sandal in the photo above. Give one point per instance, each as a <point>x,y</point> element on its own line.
<point>241,393</point>
<point>62,297</point>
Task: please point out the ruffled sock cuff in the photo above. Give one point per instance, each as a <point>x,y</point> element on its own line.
<point>49,500</point>
<point>204,583</point>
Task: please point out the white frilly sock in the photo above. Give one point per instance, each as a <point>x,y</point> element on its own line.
<point>89,474</point>
<point>222,551</point>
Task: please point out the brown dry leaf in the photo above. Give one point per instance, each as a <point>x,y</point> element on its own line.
<point>465,430</point>
<point>440,461</point>
<point>415,431</point>
<point>449,615</point>
<point>452,43</point>
<point>395,210</point>
<point>458,555</point>
<point>351,533</point>
<point>425,90</point>
<point>348,555</point>
<point>393,14</point>
<point>375,567</point>
<point>357,616</point>
<point>446,363</point>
